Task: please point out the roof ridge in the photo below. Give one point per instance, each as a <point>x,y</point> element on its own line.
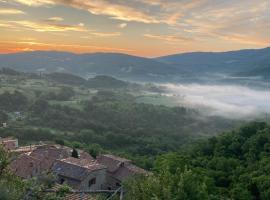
<point>93,162</point>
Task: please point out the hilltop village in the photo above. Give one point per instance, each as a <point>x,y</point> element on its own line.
<point>75,168</point>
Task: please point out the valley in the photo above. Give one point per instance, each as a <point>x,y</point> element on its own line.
<point>173,124</point>
<point>113,115</point>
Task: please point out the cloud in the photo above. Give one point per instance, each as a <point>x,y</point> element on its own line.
<point>6,25</point>
<point>52,25</point>
<point>55,19</point>
<point>10,11</point>
<point>42,27</point>
<point>93,33</point>
<point>231,21</point>
<point>99,7</point>
<point>223,100</point>
<point>81,24</point>
<point>244,39</point>
<point>168,38</point>
<point>103,34</point>
<point>113,9</point>
<point>122,25</point>
<point>36,45</point>
<point>35,3</point>
<point>221,24</point>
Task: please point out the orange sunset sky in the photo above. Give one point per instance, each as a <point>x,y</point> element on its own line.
<point>138,27</point>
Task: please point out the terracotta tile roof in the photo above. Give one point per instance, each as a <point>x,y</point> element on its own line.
<point>40,159</point>
<point>127,171</point>
<point>48,154</point>
<point>120,168</point>
<point>25,166</point>
<point>79,196</point>
<point>74,195</point>
<point>76,168</point>
<point>112,162</point>
<point>25,149</point>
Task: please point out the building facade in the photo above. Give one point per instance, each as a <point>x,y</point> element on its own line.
<point>118,170</point>
<point>80,174</point>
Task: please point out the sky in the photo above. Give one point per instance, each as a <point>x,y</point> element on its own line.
<point>146,28</point>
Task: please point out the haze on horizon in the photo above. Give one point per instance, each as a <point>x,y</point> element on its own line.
<point>137,27</point>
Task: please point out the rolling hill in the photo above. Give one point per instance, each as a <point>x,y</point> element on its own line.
<point>253,62</point>
<point>112,64</point>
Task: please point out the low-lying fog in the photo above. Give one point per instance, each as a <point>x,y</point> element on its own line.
<point>231,101</point>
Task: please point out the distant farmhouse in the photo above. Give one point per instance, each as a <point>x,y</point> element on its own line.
<point>85,173</point>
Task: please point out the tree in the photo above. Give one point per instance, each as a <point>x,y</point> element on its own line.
<point>11,187</point>
<point>4,160</point>
<point>3,117</point>
<point>75,153</point>
<point>173,180</point>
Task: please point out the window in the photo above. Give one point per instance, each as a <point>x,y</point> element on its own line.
<point>92,182</point>
<point>122,164</point>
<point>62,181</point>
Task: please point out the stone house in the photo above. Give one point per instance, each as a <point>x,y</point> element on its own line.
<point>118,170</point>
<point>80,174</point>
<point>41,159</point>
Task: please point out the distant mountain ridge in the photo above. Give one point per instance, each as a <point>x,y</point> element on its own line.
<point>231,62</point>
<point>250,62</point>
<point>112,64</point>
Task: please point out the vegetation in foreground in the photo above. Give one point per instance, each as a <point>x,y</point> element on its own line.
<point>234,165</point>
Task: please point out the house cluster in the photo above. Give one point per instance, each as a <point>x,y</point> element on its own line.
<point>106,172</point>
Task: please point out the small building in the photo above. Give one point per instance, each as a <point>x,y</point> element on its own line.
<point>48,154</point>
<point>80,174</point>
<point>26,166</point>
<point>9,143</point>
<point>118,170</point>
<point>40,159</point>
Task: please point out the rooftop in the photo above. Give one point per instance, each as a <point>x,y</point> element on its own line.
<point>116,158</point>
<point>89,164</point>
<point>120,168</point>
<point>76,168</point>
<point>8,139</point>
<point>112,162</point>
<point>25,166</point>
